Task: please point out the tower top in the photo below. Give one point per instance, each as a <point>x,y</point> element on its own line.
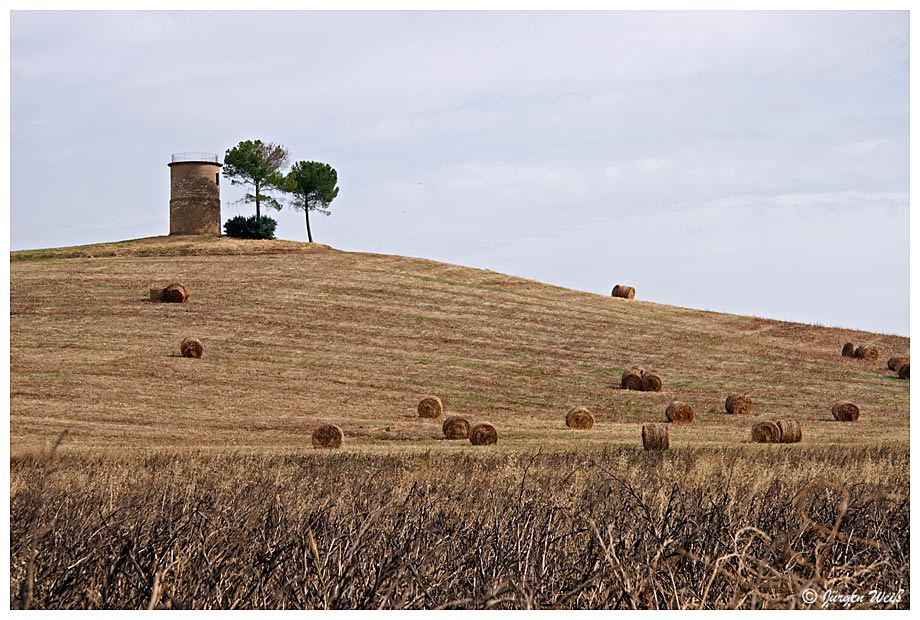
<point>196,158</point>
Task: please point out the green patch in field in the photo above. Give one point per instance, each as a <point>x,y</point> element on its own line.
<point>527,371</point>
<point>472,399</point>
<point>419,383</point>
<point>474,366</point>
<point>438,280</point>
<point>423,362</point>
<point>425,319</point>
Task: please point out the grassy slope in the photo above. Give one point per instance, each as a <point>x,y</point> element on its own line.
<point>299,334</point>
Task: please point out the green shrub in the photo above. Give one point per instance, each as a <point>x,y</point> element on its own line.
<point>250,227</point>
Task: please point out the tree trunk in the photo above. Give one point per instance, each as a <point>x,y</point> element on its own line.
<point>309,234</point>
<point>257,200</point>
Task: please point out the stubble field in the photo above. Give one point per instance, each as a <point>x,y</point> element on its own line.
<point>191,483</point>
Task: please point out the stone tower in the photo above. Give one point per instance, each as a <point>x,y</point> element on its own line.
<point>194,194</point>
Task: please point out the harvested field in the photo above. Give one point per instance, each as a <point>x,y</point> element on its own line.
<point>220,499</point>
<point>366,336</point>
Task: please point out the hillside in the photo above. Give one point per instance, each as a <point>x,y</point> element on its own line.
<point>298,334</point>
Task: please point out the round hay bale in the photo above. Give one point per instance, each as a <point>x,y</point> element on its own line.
<point>656,436</point>
<point>483,435</point>
<point>766,432</point>
<point>638,369</point>
<point>845,412</point>
<point>904,371</point>
<point>679,412</point>
<point>328,436</point>
<point>790,431</point>
<point>631,380</point>
<point>156,294</point>
<point>738,404</point>
<point>894,363</point>
<point>191,347</point>
<point>866,353</point>
<point>175,294</point>
<point>849,350</point>
<point>456,427</point>
<point>430,407</point>
<point>621,290</point>
<point>579,418</point>
<point>651,382</point>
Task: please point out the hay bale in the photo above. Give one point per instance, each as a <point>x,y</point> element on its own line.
<point>904,371</point>
<point>191,347</point>
<point>656,436</point>
<point>866,353</point>
<point>894,363</point>
<point>456,427</point>
<point>766,432</point>
<point>849,350</point>
<point>156,294</point>
<point>483,435</point>
<point>651,382</point>
<point>845,412</point>
<point>175,294</point>
<point>679,412</point>
<point>579,418</point>
<point>328,436</point>
<point>430,407</point>
<point>738,404</point>
<point>631,380</point>
<point>790,431</point>
<point>621,290</point>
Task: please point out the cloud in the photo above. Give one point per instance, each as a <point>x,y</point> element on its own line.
<point>490,136</point>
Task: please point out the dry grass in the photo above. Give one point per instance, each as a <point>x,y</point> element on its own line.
<point>620,529</point>
<point>358,339</point>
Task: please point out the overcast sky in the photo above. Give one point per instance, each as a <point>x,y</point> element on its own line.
<point>754,163</point>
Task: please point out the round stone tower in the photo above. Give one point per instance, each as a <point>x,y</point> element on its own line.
<point>194,194</point>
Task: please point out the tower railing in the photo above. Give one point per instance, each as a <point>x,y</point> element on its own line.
<point>205,157</point>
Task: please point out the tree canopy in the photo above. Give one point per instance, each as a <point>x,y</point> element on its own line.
<point>313,187</point>
<point>258,165</point>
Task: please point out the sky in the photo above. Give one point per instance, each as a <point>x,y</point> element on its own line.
<point>752,162</point>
